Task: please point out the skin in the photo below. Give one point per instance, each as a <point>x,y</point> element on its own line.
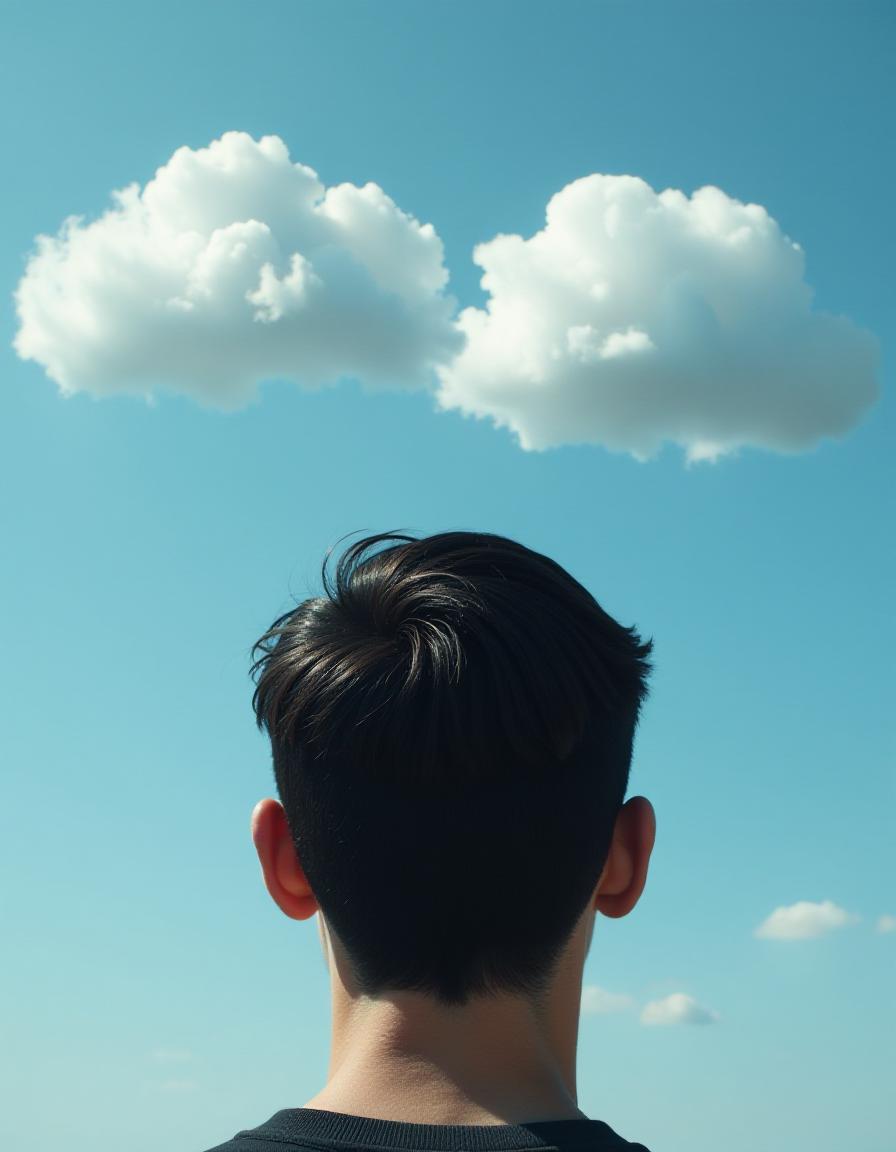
<point>498,1060</point>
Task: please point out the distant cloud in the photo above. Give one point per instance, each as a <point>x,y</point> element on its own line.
<point>171,1056</point>
<point>886,923</point>
<point>234,265</point>
<point>597,1000</point>
<point>804,920</point>
<point>677,1009</point>
<point>174,1087</point>
<point>635,317</point>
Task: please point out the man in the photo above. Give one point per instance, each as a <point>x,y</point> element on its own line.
<point>451,727</point>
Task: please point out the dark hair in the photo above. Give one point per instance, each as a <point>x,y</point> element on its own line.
<point>451,728</point>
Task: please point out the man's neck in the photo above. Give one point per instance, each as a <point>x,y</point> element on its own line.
<point>431,1104</point>
<point>404,1059</point>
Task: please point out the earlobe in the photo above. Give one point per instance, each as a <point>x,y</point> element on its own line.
<point>284,877</point>
<point>625,872</point>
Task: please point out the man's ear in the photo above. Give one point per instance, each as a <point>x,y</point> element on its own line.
<point>284,877</point>
<point>625,872</point>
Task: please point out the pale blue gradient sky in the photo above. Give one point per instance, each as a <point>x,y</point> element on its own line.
<point>146,549</point>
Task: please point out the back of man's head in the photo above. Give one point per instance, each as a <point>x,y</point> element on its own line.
<point>452,728</point>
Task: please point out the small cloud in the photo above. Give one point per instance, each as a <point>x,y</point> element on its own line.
<point>636,317</point>
<point>175,1087</point>
<point>804,920</point>
<point>597,1000</point>
<point>886,923</point>
<point>231,266</point>
<point>171,1056</point>
<point>677,1009</point>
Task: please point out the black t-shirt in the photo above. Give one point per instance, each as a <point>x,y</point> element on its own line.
<point>316,1130</point>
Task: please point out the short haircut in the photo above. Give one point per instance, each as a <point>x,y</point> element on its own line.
<point>451,727</point>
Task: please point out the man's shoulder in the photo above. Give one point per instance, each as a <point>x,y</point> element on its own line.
<point>246,1141</point>
<point>292,1130</point>
<point>241,1143</point>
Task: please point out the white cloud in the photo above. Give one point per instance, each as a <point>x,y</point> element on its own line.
<point>171,1056</point>
<point>635,317</point>
<point>678,1008</point>
<point>631,319</point>
<point>598,1000</point>
<point>886,923</point>
<point>174,1087</point>
<point>804,920</point>
<point>231,266</point>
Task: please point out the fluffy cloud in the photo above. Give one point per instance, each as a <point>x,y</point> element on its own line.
<point>678,1008</point>
<point>231,266</point>
<point>174,1087</point>
<point>597,1000</point>
<point>631,319</point>
<point>171,1056</point>
<point>804,920</point>
<point>635,317</point>
<point>886,923</point>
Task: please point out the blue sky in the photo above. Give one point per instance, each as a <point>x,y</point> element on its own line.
<point>150,986</point>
